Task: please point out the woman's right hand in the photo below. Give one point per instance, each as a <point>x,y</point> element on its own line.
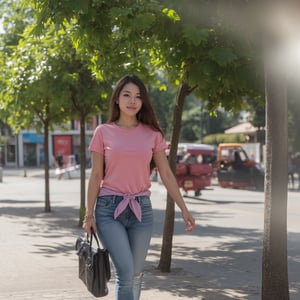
<point>89,223</point>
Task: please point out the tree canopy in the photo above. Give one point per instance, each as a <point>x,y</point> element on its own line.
<point>211,49</point>
<point>75,42</point>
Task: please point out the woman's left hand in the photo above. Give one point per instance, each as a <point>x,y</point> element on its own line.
<point>189,221</point>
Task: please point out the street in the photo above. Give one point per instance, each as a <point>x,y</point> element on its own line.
<point>220,260</point>
<point>230,232</point>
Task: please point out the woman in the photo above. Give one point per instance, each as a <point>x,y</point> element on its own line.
<point>118,198</point>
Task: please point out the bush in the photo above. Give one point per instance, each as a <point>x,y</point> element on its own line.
<point>218,138</point>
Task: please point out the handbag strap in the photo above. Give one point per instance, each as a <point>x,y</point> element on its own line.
<point>90,236</point>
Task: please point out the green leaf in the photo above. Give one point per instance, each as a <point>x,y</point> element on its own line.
<point>143,21</point>
<point>118,12</point>
<point>195,35</point>
<point>222,56</point>
<point>172,14</point>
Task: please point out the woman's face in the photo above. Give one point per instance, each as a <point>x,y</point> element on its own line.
<point>130,101</point>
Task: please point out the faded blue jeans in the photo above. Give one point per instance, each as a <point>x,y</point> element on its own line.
<point>127,240</point>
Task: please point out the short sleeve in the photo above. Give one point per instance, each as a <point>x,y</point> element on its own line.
<point>96,144</point>
<point>160,142</point>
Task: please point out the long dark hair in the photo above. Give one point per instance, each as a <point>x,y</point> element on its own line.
<point>146,115</point>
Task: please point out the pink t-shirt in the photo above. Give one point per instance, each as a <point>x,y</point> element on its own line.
<point>127,154</point>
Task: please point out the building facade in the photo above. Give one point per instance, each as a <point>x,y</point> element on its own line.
<point>26,149</point>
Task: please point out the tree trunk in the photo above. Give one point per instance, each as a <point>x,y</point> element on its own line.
<point>166,250</point>
<point>46,167</point>
<point>82,169</point>
<point>274,262</point>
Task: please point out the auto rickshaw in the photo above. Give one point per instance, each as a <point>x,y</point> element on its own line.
<point>194,168</point>
<point>236,170</point>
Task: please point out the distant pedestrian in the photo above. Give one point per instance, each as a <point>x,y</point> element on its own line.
<point>296,164</point>
<point>237,163</point>
<point>291,171</point>
<point>118,198</point>
<point>59,165</point>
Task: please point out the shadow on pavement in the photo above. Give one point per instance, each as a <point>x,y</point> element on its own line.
<point>228,268</point>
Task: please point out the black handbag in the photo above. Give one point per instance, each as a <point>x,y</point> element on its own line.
<point>94,265</point>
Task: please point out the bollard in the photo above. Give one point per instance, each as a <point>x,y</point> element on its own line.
<point>1,174</point>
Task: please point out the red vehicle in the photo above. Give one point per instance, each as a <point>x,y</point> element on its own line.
<point>236,170</point>
<point>194,169</point>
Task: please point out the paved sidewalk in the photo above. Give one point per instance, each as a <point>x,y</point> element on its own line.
<point>219,261</point>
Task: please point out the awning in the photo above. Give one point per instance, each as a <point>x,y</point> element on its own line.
<point>246,127</point>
